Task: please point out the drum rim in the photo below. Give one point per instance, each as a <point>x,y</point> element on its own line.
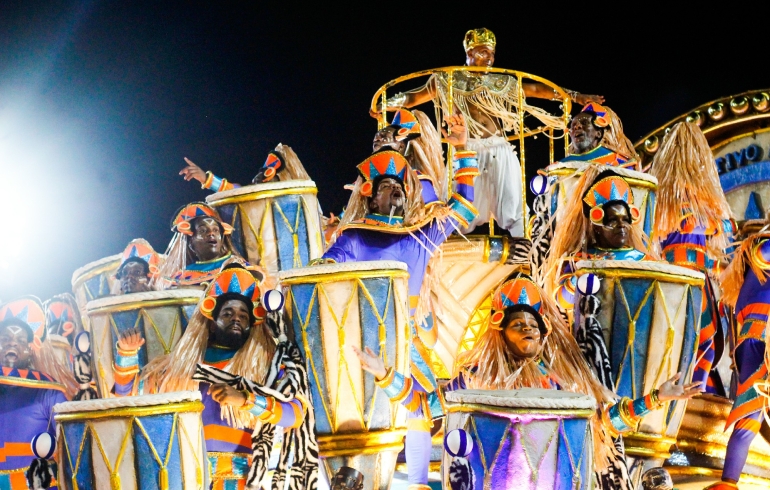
<point>523,399</point>
<point>389,267</point>
<point>88,271</point>
<point>160,401</point>
<point>555,168</point>
<point>266,188</point>
<point>667,271</point>
<point>180,297</point>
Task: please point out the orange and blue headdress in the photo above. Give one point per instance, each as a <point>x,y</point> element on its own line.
<point>234,282</point>
<point>140,249</point>
<point>386,163</point>
<point>184,216</point>
<point>600,113</point>
<point>519,294</point>
<point>406,125</point>
<point>609,188</point>
<point>26,312</point>
<point>273,163</point>
<point>62,316</point>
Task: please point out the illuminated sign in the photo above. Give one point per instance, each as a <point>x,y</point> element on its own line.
<point>743,164</point>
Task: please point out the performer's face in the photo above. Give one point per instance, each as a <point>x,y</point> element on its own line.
<point>233,324</point>
<point>385,137</point>
<point>615,230</point>
<point>522,335</point>
<point>584,134</point>
<point>134,278</point>
<point>389,195</point>
<point>480,56</point>
<point>14,347</point>
<point>206,241</point>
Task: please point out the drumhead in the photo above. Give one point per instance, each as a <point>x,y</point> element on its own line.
<point>97,264</point>
<point>170,294</point>
<point>578,168</point>
<point>644,265</point>
<point>255,188</point>
<point>524,398</point>
<point>370,265</point>
<point>127,402</point>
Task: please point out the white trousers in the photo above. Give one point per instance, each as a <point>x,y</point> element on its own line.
<point>497,190</point>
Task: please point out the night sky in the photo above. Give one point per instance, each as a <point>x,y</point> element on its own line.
<point>100,101</point>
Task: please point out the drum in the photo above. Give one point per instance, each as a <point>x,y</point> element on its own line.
<point>563,177</point>
<point>650,317</point>
<point>335,306</point>
<point>524,439</point>
<point>133,443</point>
<point>161,317</point>
<point>94,281</point>
<point>277,224</point>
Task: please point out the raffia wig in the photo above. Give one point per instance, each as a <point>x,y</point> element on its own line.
<point>174,371</point>
<point>574,232</point>
<point>686,173</point>
<point>294,169</point>
<point>425,154</point>
<point>45,360</point>
<point>489,366</point>
<point>732,277</point>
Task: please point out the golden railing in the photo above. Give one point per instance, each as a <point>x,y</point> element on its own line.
<point>380,98</point>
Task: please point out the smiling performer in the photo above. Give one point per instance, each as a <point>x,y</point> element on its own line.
<point>527,345</point>
<point>489,102</point>
<point>386,219</point>
<point>600,223</point>
<point>200,247</point>
<point>31,383</point>
<point>281,162</point>
<point>229,331</point>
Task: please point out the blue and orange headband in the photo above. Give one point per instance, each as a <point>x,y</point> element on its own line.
<point>386,163</point>
<point>184,216</point>
<point>520,293</point>
<point>609,189</point>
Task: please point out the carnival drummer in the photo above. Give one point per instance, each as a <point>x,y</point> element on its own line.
<point>200,247</point>
<point>139,267</point>
<point>229,331</point>
<point>386,219</point>
<point>527,345</point>
<point>32,382</point>
<point>489,104</point>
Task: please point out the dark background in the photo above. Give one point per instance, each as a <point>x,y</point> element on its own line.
<point>99,101</point>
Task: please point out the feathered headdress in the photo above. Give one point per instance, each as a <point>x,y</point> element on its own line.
<point>689,192</point>
<point>27,312</point>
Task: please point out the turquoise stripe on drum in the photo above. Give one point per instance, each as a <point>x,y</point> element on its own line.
<point>230,214</point>
<point>573,454</point>
<point>377,410</point>
<point>629,363</point>
<point>97,287</point>
<point>649,213</point>
<point>125,320</point>
<point>162,435</point>
<point>74,433</point>
<point>310,343</point>
<point>290,207</point>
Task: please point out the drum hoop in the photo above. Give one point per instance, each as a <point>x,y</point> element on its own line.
<point>243,194</point>
<point>366,266</point>
<point>676,277</point>
<point>639,179</point>
<point>583,413</point>
<point>187,407</point>
<point>57,339</point>
<point>95,268</point>
<point>112,304</point>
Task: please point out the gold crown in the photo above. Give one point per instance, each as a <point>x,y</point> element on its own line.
<point>479,37</point>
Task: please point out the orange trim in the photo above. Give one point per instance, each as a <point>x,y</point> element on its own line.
<point>227,434</point>
<point>748,424</point>
<point>744,410</point>
<point>11,449</point>
<point>758,375</point>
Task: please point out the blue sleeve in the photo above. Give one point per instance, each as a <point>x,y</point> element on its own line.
<point>344,249</point>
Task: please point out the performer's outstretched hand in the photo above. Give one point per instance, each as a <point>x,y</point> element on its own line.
<point>371,362</point>
<point>457,134</point>
<point>670,390</point>
<point>583,99</point>
<point>130,340</point>
<point>225,394</point>
<point>192,171</point>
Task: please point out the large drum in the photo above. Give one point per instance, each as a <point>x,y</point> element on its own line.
<point>333,307</point>
<point>528,439</point>
<point>93,281</point>
<point>133,443</point>
<point>277,224</point>
<point>563,177</point>
<point>650,317</point>
<point>161,317</point>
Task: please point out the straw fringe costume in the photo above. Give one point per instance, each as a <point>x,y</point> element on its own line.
<point>238,442</point>
<point>694,228</point>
